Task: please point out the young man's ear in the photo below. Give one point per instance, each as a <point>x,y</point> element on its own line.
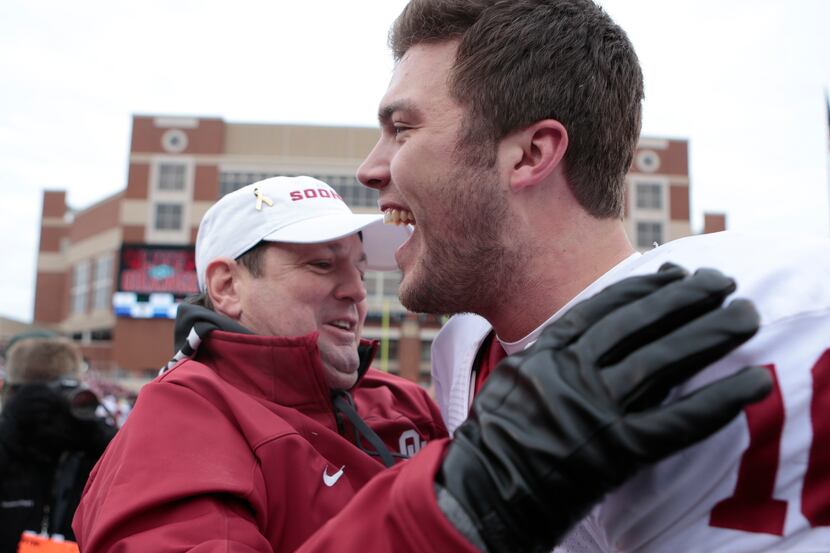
<point>532,154</point>
<point>221,286</point>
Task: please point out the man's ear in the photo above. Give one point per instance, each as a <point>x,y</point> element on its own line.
<point>533,153</point>
<point>222,286</point>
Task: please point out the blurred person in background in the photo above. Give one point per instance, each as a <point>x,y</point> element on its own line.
<point>50,438</point>
<point>116,400</point>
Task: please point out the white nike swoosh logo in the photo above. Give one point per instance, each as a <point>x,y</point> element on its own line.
<point>331,480</point>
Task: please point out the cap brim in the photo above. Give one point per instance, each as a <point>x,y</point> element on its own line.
<point>379,240</point>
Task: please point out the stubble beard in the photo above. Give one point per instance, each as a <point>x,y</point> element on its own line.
<point>466,267</point>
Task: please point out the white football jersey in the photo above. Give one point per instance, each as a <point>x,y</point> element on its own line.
<point>763,482</point>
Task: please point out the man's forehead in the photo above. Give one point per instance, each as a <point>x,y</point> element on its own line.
<point>419,80</point>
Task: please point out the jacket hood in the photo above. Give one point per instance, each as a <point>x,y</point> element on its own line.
<point>194,323</point>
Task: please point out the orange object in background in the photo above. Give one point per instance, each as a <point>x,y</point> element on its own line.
<point>36,543</point>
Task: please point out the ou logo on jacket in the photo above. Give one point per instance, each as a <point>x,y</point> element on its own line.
<point>410,443</point>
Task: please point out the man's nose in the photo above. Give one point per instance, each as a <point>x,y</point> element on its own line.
<point>374,171</point>
<point>351,286</point>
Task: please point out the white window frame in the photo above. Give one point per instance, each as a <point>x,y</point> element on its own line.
<point>165,181</point>
<point>649,241</point>
<point>182,197</point>
<point>649,195</point>
<point>79,293</point>
<point>389,279</point>
<point>159,217</point>
<point>102,284</point>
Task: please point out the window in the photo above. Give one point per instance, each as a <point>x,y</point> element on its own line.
<point>426,351</point>
<point>371,281</point>
<point>80,287</point>
<point>229,182</point>
<point>102,285</point>
<point>174,141</point>
<point>391,283</point>
<point>648,161</point>
<point>374,318</point>
<point>352,192</point>
<point>649,195</point>
<point>648,234</point>
<point>168,216</point>
<point>393,349</point>
<point>171,176</point>
<point>101,335</point>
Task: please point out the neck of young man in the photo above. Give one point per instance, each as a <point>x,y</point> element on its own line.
<point>566,261</point>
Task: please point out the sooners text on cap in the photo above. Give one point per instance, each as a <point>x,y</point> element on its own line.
<point>297,195</point>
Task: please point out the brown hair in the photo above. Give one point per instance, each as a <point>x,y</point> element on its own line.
<point>253,259</point>
<point>42,360</point>
<point>521,61</point>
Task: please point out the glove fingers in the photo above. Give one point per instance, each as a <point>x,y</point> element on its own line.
<point>655,315</point>
<point>668,429</point>
<point>586,313</point>
<point>646,376</point>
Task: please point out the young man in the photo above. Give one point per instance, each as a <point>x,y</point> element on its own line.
<point>268,432</point>
<point>506,132</point>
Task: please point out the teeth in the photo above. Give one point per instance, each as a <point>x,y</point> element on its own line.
<point>341,324</point>
<point>398,217</point>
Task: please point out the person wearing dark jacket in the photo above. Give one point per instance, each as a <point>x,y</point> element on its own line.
<point>268,432</point>
<point>50,438</point>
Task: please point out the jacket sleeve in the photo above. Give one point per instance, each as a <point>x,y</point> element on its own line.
<point>396,511</point>
<point>164,485</point>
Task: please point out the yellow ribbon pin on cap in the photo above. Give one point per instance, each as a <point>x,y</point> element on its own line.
<point>260,197</point>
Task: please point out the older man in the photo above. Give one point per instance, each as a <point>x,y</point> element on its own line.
<point>249,441</point>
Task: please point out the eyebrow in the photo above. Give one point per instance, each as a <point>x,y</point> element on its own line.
<point>386,112</point>
<point>336,248</point>
<point>362,262</point>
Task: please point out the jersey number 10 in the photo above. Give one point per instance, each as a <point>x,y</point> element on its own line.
<point>752,508</point>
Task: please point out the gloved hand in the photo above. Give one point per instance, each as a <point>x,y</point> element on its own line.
<point>558,426</point>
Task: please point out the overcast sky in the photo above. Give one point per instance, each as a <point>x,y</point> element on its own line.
<point>742,80</point>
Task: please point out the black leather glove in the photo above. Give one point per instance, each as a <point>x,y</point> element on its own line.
<point>558,426</point>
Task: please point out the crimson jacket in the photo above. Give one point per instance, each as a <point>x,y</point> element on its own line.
<point>239,449</point>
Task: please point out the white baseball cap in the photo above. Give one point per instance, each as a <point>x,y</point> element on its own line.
<point>298,210</point>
